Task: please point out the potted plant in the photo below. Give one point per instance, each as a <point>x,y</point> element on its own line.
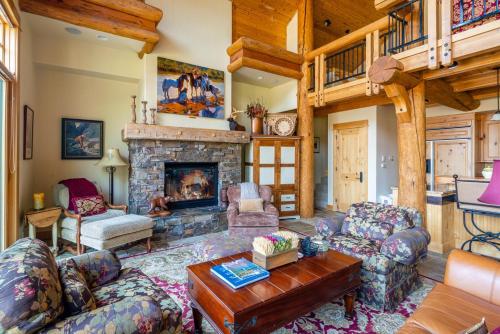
<point>256,112</point>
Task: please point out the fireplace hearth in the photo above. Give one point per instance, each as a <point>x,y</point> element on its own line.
<point>191,184</point>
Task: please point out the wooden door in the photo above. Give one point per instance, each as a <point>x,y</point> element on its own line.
<point>452,157</point>
<point>491,144</point>
<point>350,164</point>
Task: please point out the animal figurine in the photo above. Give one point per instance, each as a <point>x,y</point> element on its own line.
<point>158,206</point>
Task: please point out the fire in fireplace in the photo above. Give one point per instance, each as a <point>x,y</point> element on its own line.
<point>191,184</point>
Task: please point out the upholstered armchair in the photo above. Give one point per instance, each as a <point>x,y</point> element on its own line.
<point>106,230</point>
<point>389,240</point>
<point>251,223</point>
<point>99,297</point>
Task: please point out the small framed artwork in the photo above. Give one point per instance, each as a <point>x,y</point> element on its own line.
<point>316,144</point>
<point>29,115</point>
<point>82,139</point>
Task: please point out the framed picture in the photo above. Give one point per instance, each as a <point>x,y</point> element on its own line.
<point>316,144</point>
<point>29,115</point>
<point>82,139</point>
<point>190,90</point>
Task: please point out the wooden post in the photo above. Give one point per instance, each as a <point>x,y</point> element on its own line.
<point>305,112</point>
<point>408,95</point>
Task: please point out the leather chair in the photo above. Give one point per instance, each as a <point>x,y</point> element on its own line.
<point>251,224</point>
<point>471,291</point>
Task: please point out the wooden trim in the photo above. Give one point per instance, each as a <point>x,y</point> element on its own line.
<point>316,80</point>
<point>133,131</point>
<point>368,60</point>
<point>476,81</point>
<point>10,10</point>
<point>322,75</point>
<point>446,22</point>
<point>376,55</point>
<point>350,125</point>
<point>387,5</point>
<point>432,34</point>
<point>133,7</point>
<point>246,43</point>
<point>375,100</point>
<point>265,66</point>
<point>346,40</point>
<point>490,60</point>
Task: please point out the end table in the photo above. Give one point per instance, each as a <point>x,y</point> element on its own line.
<point>44,218</point>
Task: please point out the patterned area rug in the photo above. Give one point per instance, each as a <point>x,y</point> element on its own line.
<point>167,269</point>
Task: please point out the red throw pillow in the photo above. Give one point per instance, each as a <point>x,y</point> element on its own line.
<point>492,193</point>
<point>89,205</point>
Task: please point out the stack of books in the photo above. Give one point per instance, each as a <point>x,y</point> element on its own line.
<point>239,273</point>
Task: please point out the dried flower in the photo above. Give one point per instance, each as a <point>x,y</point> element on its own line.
<point>256,110</point>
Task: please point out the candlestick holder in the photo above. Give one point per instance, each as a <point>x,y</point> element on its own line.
<point>152,116</point>
<point>144,112</point>
<point>133,107</point>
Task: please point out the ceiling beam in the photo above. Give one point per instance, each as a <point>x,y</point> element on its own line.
<point>485,93</point>
<point>102,18</point>
<point>362,102</point>
<point>439,91</point>
<point>490,60</point>
<point>133,7</point>
<point>473,82</point>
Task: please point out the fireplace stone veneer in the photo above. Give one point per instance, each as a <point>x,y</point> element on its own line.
<point>147,166</point>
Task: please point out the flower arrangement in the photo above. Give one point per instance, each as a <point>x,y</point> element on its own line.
<point>276,243</point>
<point>256,110</point>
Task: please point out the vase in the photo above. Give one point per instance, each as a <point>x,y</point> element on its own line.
<point>257,125</point>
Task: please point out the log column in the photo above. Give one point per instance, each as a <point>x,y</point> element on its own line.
<point>408,95</point>
<point>305,112</point>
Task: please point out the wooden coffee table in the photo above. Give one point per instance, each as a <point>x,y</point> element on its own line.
<point>290,292</point>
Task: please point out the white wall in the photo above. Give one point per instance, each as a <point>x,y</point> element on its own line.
<point>321,158</point>
<point>370,114</point>
<point>387,150</point>
<point>195,32</point>
<point>27,97</point>
<point>292,34</point>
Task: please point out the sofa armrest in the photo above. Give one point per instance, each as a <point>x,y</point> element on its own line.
<point>408,246</point>
<point>474,274</point>
<point>122,207</point>
<point>328,227</point>
<point>232,212</point>
<point>131,315</point>
<point>271,209</point>
<point>98,267</point>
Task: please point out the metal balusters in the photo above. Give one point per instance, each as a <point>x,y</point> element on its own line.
<point>406,26</point>
<point>471,18</point>
<point>345,64</point>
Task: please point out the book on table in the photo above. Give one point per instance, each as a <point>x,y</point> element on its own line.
<point>239,273</point>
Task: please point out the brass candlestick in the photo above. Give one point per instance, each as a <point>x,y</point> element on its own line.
<point>153,115</point>
<point>133,106</point>
<point>144,112</point>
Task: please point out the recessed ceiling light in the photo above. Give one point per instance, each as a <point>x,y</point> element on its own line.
<point>102,37</point>
<point>73,31</point>
<point>327,23</point>
<point>260,77</point>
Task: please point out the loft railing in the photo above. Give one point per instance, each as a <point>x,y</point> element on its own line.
<point>345,64</point>
<point>406,26</point>
<point>468,12</point>
<point>312,82</point>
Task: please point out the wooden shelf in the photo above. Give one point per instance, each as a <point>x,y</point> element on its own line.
<point>133,131</point>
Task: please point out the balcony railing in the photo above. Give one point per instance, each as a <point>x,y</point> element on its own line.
<point>473,12</point>
<point>345,64</point>
<point>406,27</point>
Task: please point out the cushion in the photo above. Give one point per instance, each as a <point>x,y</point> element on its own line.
<point>79,187</point>
<point>77,295</point>
<point>492,193</point>
<point>30,291</point>
<point>367,228</point>
<point>248,219</point>
<point>407,246</point>
<point>251,205</point>
<point>116,226</point>
<point>328,227</point>
<point>397,216</point>
<point>70,223</point>
<point>98,267</point>
<point>89,205</point>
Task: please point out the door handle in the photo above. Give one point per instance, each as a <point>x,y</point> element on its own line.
<point>360,177</point>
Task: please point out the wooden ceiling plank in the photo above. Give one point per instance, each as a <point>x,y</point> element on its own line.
<point>485,93</point>
<point>473,82</point>
<point>490,60</point>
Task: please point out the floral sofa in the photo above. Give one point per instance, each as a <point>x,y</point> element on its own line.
<point>38,295</point>
<point>389,240</point>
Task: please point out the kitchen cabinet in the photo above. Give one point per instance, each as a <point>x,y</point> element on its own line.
<point>490,139</point>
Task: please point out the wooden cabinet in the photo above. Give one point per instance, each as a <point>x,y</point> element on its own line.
<point>490,140</point>
<point>274,161</point>
<point>453,157</point>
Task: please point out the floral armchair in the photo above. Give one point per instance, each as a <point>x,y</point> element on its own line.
<point>389,240</point>
<point>36,298</point>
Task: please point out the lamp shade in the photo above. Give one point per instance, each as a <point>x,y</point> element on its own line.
<point>112,159</point>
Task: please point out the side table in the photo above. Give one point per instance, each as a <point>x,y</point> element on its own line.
<point>44,218</point>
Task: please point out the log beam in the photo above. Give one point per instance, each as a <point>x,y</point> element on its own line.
<point>305,111</point>
<point>408,95</point>
<point>102,16</point>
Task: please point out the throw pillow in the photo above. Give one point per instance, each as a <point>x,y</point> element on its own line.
<point>251,205</point>
<point>479,328</point>
<point>492,193</point>
<point>370,229</point>
<point>77,295</point>
<point>89,205</point>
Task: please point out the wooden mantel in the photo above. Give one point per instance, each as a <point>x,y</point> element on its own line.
<point>127,18</point>
<point>133,131</point>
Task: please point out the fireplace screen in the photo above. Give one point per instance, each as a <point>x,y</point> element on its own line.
<point>191,184</point>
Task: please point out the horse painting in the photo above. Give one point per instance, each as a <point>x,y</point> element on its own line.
<point>186,89</point>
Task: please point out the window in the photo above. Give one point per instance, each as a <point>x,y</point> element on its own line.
<point>2,166</point>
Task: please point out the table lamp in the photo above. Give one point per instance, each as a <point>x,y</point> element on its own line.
<point>110,161</point>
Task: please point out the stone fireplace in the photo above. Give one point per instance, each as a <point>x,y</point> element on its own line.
<point>191,165</point>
